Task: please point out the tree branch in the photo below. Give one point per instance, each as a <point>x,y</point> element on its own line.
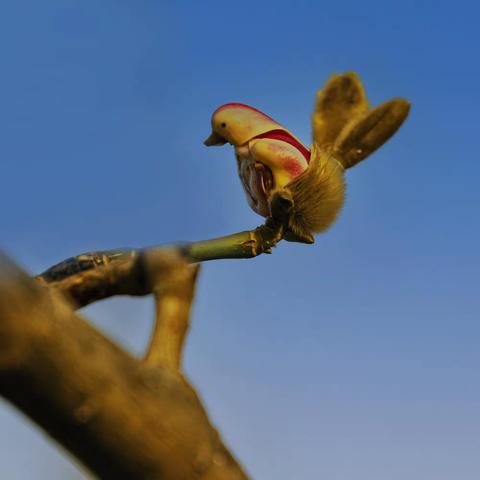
<point>84,280</point>
<point>125,418</point>
<point>120,417</point>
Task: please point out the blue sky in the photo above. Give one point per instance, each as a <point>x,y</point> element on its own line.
<point>356,358</point>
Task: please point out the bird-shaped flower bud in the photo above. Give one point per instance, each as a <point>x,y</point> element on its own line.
<point>268,155</point>
<point>279,174</point>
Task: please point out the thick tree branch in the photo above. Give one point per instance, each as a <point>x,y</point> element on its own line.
<point>121,417</point>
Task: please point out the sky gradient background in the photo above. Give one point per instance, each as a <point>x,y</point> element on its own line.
<point>353,359</point>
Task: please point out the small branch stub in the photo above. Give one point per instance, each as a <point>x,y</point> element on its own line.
<point>173,283</point>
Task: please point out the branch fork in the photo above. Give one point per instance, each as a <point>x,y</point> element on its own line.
<point>121,417</point>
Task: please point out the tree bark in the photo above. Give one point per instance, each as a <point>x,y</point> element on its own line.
<point>122,417</point>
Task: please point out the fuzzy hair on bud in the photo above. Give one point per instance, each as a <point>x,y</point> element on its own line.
<point>318,195</point>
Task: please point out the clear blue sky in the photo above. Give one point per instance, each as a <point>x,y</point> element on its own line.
<point>353,359</point>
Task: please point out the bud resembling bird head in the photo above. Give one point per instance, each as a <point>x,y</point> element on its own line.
<point>236,123</point>
<point>268,155</point>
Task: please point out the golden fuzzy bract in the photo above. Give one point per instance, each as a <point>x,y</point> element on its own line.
<point>339,102</point>
<point>319,194</point>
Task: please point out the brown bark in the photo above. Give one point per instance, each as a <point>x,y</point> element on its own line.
<point>120,416</point>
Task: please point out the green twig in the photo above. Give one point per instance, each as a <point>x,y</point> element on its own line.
<point>247,244</point>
